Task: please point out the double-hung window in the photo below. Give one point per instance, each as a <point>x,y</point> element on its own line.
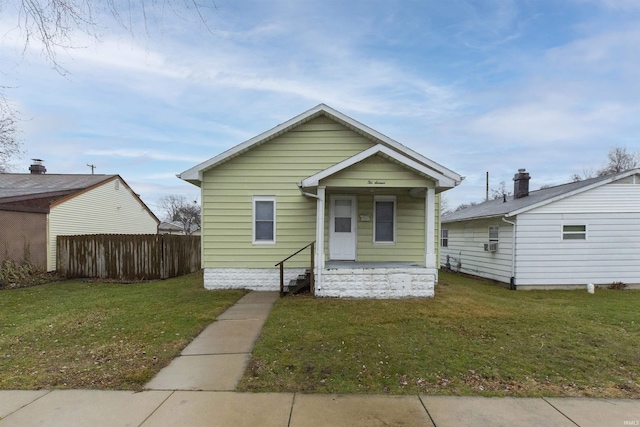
<point>494,233</point>
<point>574,232</point>
<point>444,238</point>
<point>264,220</point>
<point>384,213</point>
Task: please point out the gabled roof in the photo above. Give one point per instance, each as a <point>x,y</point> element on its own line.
<point>27,185</point>
<point>535,199</point>
<point>39,192</point>
<point>442,181</point>
<point>194,175</point>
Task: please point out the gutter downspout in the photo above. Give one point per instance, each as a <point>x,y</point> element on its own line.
<point>305,194</point>
<point>512,283</point>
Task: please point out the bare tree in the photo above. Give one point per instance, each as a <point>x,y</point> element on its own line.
<point>178,209</point>
<point>54,25</point>
<point>500,192</point>
<point>464,206</point>
<point>445,206</point>
<point>619,160</point>
<point>10,144</point>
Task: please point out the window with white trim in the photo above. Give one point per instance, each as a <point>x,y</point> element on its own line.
<point>264,220</point>
<point>574,232</point>
<point>444,238</point>
<point>494,233</point>
<point>384,219</point>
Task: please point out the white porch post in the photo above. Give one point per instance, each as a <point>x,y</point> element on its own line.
<point>430,229</point>
<point>319,236</point>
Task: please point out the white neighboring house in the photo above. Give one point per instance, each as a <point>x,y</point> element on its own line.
<point>559,237</point>
<point>36,208</point>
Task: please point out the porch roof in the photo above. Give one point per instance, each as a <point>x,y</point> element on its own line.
<point>441,180</point>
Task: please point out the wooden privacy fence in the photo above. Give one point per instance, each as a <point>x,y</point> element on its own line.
<point>127,256</point>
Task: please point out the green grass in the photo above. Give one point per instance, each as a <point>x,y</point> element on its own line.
<point>101,335</point>
<point>473,338</point>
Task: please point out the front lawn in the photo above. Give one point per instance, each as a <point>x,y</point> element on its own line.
<point>473,338</point>
<point>101,335</point>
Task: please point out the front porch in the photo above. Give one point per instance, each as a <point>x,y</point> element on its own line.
<point>376,280</point>
<point>354,279</point>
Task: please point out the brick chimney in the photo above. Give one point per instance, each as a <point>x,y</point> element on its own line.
<point>521,184</point>
<point>37,168</point>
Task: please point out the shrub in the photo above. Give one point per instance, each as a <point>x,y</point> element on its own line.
<point>23,275</point>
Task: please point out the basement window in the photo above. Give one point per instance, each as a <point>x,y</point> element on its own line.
<point>444,238</point>
<point>574,232</point>
<point>264,220</point>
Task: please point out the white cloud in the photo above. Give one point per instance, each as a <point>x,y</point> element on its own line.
<point>145,154</point>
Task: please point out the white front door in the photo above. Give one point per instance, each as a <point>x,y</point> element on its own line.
<point>342,228</point>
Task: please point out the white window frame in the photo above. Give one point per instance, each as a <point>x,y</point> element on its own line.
<point>494,239</point>
<point>564,233</point>
<point>444,240</point>
<point>253,220</point>
<point>393,199</point>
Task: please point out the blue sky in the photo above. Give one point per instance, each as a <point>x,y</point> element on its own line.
<point>477,86</point>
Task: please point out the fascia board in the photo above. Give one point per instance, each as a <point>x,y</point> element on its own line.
<point>609,180</point>
<point>314,180</point>
<point>195,173</point>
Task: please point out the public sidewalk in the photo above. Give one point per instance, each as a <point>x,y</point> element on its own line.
<point>196,389</point>
<point>70,408</point>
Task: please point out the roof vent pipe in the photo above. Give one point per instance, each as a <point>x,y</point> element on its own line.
<point>37,168</point>
<point>521,184</point>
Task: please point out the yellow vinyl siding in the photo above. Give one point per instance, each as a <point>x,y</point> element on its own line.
<point>409,244</point>
<point>271,169</point>
<point>410,220</point>
<point>102,210</point>
<point>376,171</point>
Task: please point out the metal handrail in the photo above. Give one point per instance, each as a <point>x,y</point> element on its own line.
<point>291,256</point>
<point>281,264</point>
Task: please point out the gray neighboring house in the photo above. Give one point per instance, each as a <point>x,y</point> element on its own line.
<point>559,237</point>
<point>36,208</point>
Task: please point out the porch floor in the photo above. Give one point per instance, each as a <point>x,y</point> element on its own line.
<point>337,265</point>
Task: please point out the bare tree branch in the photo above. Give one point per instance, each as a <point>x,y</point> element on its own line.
<point>177,209</point>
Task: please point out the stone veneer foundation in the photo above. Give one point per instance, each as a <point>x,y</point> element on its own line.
<point>378,283</point>
<point>254,279</point>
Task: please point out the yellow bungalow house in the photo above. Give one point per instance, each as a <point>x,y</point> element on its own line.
<point>370,204</point>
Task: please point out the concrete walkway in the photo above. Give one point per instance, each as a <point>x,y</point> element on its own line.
<point>217,358</point>
<point>214,363</point>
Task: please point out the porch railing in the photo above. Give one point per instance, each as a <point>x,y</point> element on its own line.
<point>311,277</point>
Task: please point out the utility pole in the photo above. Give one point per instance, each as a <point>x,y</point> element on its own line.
<point>486,197</point>
<point>92,167</point>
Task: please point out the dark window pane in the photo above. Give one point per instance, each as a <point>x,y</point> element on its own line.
<point>264,230</point>
<point>343,225</point>
<point>264,211</point>
<point>384,231</point>
<point>576,236</point>
<point>574,228</point>
<point>384,211</point>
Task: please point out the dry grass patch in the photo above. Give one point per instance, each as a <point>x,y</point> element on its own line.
<point>101,335</point>
<point>473,338</point>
